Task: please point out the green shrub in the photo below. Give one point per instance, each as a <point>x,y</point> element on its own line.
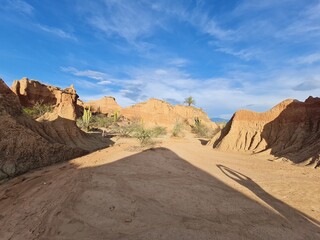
<point>158,131</point>
<point>128,130</point>
<point>96,121</point>
<point>101,120</point>
<point>38,109</point>
<point>200,129</point>
<point>177,129</point>
<point>137,130</point>
<point>30,112</point>
<point>144,136</point>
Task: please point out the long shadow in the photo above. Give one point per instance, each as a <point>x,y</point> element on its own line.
<point>154,194</point>
<point>282,208</point>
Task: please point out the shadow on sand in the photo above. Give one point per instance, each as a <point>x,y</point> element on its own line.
<point>155,194</point>
<point>283,209</point>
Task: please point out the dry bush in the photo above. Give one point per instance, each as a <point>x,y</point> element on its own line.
<point>38,109</point>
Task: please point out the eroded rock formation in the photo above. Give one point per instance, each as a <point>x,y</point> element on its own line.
<point>105,105</point>
<point>31,92</point>
<point>157,112</point>
<point>290,130</point>
<point>27,144</point>
<point>189,113</point>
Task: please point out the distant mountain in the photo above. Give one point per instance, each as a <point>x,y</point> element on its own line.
<point>216,119</point>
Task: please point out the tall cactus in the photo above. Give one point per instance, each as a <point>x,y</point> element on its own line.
<point>116,116</point>
<point>86,118</point>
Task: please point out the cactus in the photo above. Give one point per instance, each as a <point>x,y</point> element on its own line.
<point>197,121</point>
<point>116,116</point>
<point>86,118</point>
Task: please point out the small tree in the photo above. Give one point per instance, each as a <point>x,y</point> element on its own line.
<point>190,101</point>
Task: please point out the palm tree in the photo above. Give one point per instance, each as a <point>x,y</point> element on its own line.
<point>190,101</point>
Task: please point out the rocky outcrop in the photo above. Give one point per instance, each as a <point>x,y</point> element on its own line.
<point>31,92</point>
<point>189,113</point>
<point>290,130</point>
<point>157,112</point>
<point>27,144</point>
<point>153,112</point>
<point>105,105</point>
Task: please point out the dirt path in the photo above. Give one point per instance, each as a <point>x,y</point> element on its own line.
<point>181,190</point>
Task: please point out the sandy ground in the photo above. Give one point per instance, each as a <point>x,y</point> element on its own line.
<point>178,190</point>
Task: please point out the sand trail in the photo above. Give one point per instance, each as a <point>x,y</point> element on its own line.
<point>179,190</point>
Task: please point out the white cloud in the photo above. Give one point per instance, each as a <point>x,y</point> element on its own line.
<point>135,21</point>
<point>211,27</point>
<point>246,54</point>
<point>308,59</point>
<point>104,82</point>
<point>100,76</point>
<point>130,20</point>
<point>178,62</point>
<point>250,6</point>
<point>85,84</point>
<point>217,96</point>
<point>17,6</point>
<point>306,26</point>
<point>56,31</point>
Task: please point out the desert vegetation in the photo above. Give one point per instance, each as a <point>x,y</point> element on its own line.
<point>177,129</point>
<point>122,128</point>
<point>38,109</point>
<point>90,121</point>
<point>189,101</point>
<point>137,130</point>
<point>200,129</point>
<point>86,118</point>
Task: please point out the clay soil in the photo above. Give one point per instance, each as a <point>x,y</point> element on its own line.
<point>179,189</point>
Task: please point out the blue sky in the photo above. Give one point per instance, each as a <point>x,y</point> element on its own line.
<point>226,54</point>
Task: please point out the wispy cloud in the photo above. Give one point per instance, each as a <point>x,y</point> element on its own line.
<point>214,30</point>
<point>102,78</point>
<point>85,83</point>
<point>136,21</point>
<point>308,59</point>
<point>57,32</point>
<point>209,26</point>
<point>28,19</point>
<point>178,62</point>
<point>129,20</point>
<point>306,25</point>
<point>308,85</point>
<point>250,6</point>
<point>197,16</point>
<point>19,6</point>
<point>246,54</point>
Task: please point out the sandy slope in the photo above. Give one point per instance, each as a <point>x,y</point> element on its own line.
<point>181,190</point>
